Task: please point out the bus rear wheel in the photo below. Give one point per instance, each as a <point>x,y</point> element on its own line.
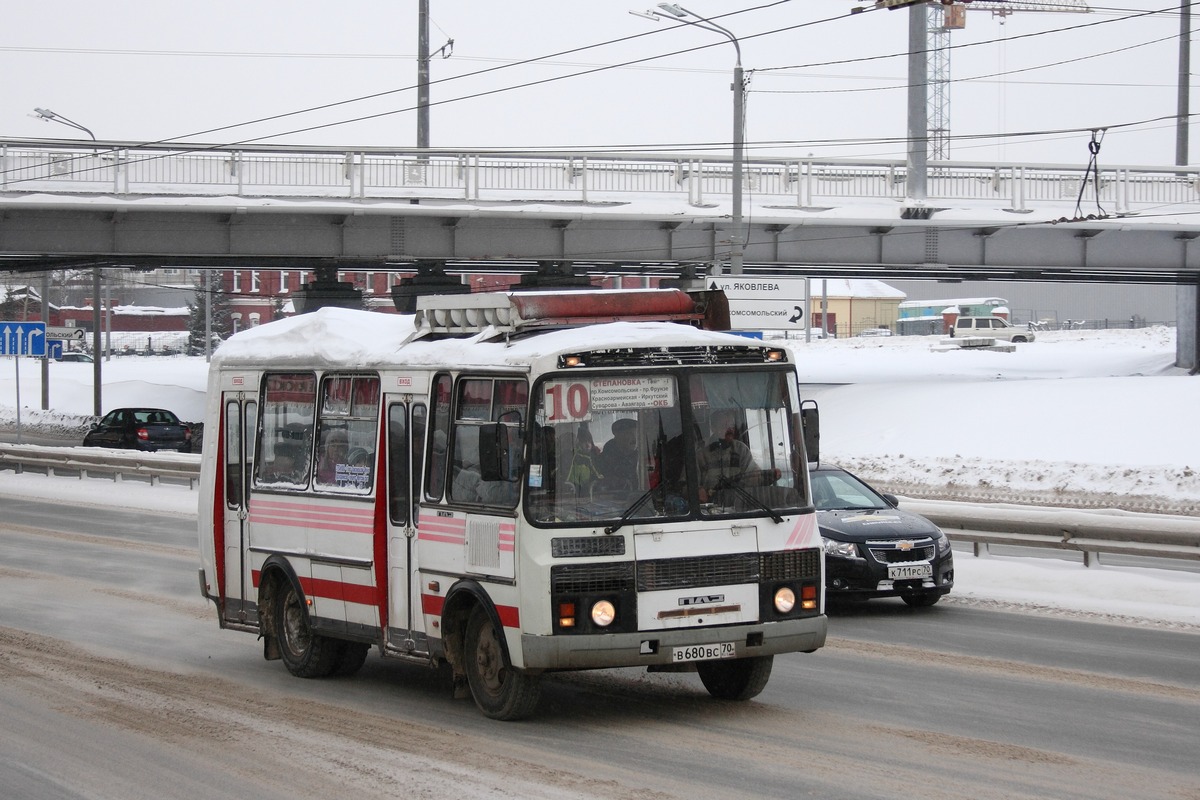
<point>304,653</point>
<point>500,690</point>
<point>736,679</point>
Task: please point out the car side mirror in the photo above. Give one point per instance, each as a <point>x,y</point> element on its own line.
<point>892,500</point>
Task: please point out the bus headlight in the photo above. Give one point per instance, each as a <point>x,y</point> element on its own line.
<point>785,599</point>
<point>603,613</point>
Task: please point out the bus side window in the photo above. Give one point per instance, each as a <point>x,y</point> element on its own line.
<point>347,431</point>
<point>417,437</point>
<point>285,430</point>
<point>439,437</point>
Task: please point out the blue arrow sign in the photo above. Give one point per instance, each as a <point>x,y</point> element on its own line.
<point>23,339</point>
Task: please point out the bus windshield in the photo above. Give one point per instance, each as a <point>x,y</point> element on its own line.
<point>642,446</point>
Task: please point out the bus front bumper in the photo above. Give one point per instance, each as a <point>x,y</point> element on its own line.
<point>667,647</point>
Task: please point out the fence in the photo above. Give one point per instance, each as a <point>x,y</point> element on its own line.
<point>1087,532</point>
<point>86,462</point>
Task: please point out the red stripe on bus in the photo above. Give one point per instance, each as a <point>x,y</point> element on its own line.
<point>430,537</point>
<point>510,616</point>
<point>339,590</point>
<point>331,590</point>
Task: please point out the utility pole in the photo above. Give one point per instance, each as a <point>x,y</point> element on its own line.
<point>423,74</point>
<point>46,322</point>
<point>1184,87</point>
<point>918,106</point>
<point>96,360</point>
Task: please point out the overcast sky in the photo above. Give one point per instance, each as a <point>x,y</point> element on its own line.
<point>823,81</point>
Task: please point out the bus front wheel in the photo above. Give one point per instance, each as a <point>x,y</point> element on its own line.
<point>304,653</point>
<point>501,691</point>
<point>735,679</point>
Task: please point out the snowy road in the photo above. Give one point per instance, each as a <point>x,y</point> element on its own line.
<point>117,682</point>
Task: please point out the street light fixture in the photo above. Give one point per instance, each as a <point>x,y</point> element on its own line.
<point>677,13</point>
<point>50,116</point>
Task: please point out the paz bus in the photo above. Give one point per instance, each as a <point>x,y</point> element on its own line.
<point>513,484</point>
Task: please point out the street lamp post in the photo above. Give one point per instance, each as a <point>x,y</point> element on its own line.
<point>736,240</point>
<point>50,116</point>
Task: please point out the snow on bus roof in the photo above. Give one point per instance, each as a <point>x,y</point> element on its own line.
<point>338,337</point>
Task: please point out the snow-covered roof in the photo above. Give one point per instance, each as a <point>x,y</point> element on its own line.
<point>955,301</point>
<point>858,288</point>
<point>338,337</point>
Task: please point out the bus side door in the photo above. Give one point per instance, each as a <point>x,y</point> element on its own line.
<point>240,420</point>
<point>406,424</point>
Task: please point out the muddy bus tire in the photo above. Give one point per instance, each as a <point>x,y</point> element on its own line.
<point>735,679</point>
<point>351,658</point>
<point>500,691</point>
<point>304,653</point>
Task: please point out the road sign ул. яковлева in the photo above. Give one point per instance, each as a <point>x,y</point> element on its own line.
<point>764,304</point>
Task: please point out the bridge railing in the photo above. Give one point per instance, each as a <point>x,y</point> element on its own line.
<point>248,171</point>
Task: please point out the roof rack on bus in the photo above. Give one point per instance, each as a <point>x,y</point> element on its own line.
<point>514,312</point>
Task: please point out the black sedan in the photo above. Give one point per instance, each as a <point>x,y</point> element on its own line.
<point>140,429</point>
<point>872,548</point>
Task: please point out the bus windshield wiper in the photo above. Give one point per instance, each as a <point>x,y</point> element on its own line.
<point>629,512</point>
<point>727,483</point>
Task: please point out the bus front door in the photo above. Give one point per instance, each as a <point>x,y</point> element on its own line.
<point>240,418</point>
<point>406,421</point>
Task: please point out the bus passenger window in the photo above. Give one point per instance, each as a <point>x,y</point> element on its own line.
<point>285,439</point>
<point>347,428</point>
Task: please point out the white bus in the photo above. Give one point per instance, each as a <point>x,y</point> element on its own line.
<point>515,484</point>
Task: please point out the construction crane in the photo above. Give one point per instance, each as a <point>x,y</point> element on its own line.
<point>946,17</point>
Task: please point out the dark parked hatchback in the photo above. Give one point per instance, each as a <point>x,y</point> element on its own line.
<point>872,548</point>
<point>140,429</point>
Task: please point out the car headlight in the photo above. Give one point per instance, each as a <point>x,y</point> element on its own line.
<point>943,543</point>
<point>840,549</point>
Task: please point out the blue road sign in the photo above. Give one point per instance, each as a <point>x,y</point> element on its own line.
<point>23,339</point>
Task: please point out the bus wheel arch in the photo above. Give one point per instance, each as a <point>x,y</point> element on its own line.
<point>478,653</point>
<point>286,623</point>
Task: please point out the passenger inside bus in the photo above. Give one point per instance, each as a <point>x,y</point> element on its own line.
<point>619,460</point>
<point>285,466</point>
<point>334,447</point>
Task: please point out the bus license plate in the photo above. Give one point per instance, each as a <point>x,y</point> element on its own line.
<point>703,652</point>
<point>904,572</point>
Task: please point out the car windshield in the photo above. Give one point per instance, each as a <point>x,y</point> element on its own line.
<point>836,490</point>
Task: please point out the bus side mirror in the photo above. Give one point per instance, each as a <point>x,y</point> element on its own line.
<point>500,450</point>
<point>810,422</point>
<point>493,452</point>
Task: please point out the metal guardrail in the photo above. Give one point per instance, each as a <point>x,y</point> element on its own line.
<point>125,168</point>
<point>1089,532</point>
<point>86,462</point>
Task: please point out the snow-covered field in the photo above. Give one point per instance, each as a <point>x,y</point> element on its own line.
<point>1077,418</point>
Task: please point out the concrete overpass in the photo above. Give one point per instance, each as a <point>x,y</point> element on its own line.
<point>82,204</point>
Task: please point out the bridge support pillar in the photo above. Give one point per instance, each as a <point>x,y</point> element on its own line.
<point>327,290</point>
<point>1187,327</point>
